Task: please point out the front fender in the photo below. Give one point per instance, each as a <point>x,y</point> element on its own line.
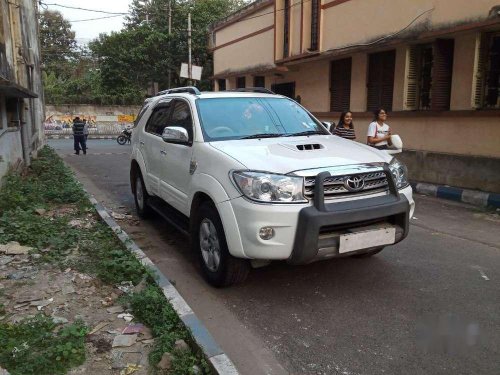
<point>207,184</point>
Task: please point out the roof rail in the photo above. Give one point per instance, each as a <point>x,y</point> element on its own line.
<point>261,90</point>
<point>188,89</point>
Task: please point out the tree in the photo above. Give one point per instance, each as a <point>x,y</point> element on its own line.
<point>57,42</point>
<point>151,51</point>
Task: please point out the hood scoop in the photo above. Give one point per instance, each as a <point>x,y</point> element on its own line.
<point>303,146</point>
<point>309,147</point>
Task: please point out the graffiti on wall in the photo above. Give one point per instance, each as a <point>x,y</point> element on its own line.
<point>66,121</point>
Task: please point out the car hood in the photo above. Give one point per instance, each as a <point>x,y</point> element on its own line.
<point>285,155</point>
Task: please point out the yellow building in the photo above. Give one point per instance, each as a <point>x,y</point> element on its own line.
<point>433,64</point>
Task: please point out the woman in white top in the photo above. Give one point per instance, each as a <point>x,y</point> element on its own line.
<point>379,133</point>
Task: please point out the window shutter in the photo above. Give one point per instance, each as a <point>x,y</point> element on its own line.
<point>479,68</point>
<point>340,85</point>
<point>442,73</point>
<point>381,80</point>
<point>411,77</point>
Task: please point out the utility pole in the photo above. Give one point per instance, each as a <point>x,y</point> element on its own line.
<point>169,17</point>
<point>169,33</point>
<point>189,47</point>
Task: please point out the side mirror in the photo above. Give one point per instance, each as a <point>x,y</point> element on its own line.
<point>326,124</point>
<point>175,134</point>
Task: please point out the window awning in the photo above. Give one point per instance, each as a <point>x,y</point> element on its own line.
<point>13,90</point>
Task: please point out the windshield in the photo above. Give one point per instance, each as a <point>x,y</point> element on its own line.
<point>244,118</point>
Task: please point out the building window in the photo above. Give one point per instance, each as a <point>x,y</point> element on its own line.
<point>286,29</point>
<point>222,84</point>
<point>489,71</point>
<point>285,89</point>
<point>442,72</point>
<point>240,83</point>
<point>429,70</point>
<point>259,81</point>
<point>340,85</point>
<point>425,77</point>
<point>381,80</point>
<point>315,9</point>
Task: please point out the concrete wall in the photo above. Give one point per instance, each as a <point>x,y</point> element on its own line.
<point>255,21</point>
<point>362,21</point>
<point>249,53</point>
<point>254,51</point>
<point>470,172</point>
<point>10,151</point>
<point>469,133</point>
<point>90,110</point>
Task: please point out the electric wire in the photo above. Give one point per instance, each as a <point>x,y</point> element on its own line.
<point>84,9</point>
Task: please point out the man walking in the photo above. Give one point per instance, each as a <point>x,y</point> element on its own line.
<point>79,136</point>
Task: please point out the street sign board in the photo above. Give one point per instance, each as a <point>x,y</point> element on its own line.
<point>195,72</point>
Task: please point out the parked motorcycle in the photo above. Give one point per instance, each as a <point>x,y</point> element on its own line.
<point>124,137</point>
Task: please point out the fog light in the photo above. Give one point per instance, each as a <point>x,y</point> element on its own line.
<point>266,233</point>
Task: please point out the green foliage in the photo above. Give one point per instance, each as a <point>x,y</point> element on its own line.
<point>49,181</point>
<point>151,308</point>
<point>34,346</point>
<point>38,231</point>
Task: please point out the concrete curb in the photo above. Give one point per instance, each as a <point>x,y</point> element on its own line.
<point>202,338</point>
<point>477,198</point>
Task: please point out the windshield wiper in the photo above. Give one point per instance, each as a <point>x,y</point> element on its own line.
<point>308,132</point>
<point>263,135</point>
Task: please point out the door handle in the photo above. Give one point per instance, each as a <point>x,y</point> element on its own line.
<point>163,152</point>
<point>142,143</point>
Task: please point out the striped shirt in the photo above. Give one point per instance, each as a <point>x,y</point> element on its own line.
<point>346,133</point>
<point>78,128</point>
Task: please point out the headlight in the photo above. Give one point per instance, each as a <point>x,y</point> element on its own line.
<point>400,173</point>
<point>270,188</point>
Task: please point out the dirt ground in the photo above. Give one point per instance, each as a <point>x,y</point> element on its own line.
<point>28,287</point>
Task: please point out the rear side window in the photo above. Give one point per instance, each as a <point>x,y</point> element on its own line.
<point>158,119</point>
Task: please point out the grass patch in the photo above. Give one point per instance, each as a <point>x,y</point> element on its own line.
<point>151,308</point>
<point>47,181</point>
<point>34,346</point>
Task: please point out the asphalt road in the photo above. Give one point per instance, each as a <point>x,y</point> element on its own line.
<point>429,305</point>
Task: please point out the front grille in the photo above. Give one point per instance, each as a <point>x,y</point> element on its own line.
<point>334,187</point>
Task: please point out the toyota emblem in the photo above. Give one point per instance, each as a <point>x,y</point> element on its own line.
<point>354,183</point>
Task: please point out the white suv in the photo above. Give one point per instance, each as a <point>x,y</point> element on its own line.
<point>252,177</point>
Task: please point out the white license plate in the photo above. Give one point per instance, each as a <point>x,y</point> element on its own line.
<point>370,238</point>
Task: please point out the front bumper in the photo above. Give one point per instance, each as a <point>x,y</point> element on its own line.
<point>318,231</point>
<point>305,233</point>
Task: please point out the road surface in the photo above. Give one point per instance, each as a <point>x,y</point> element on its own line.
<point>429,305</point>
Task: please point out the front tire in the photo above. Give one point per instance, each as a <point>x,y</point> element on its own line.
<point>121,140</point>
<point>141,197</point>
<point>218,266</point>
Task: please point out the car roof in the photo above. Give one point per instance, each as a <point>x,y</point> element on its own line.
<point>215,94</point>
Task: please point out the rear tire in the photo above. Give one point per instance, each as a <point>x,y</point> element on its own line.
<point>141,197</point>
<point>218,266</point>
<point>368,254</point>
<point>121,140</point>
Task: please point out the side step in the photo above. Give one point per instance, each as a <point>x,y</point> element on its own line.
<point>170,214</point>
